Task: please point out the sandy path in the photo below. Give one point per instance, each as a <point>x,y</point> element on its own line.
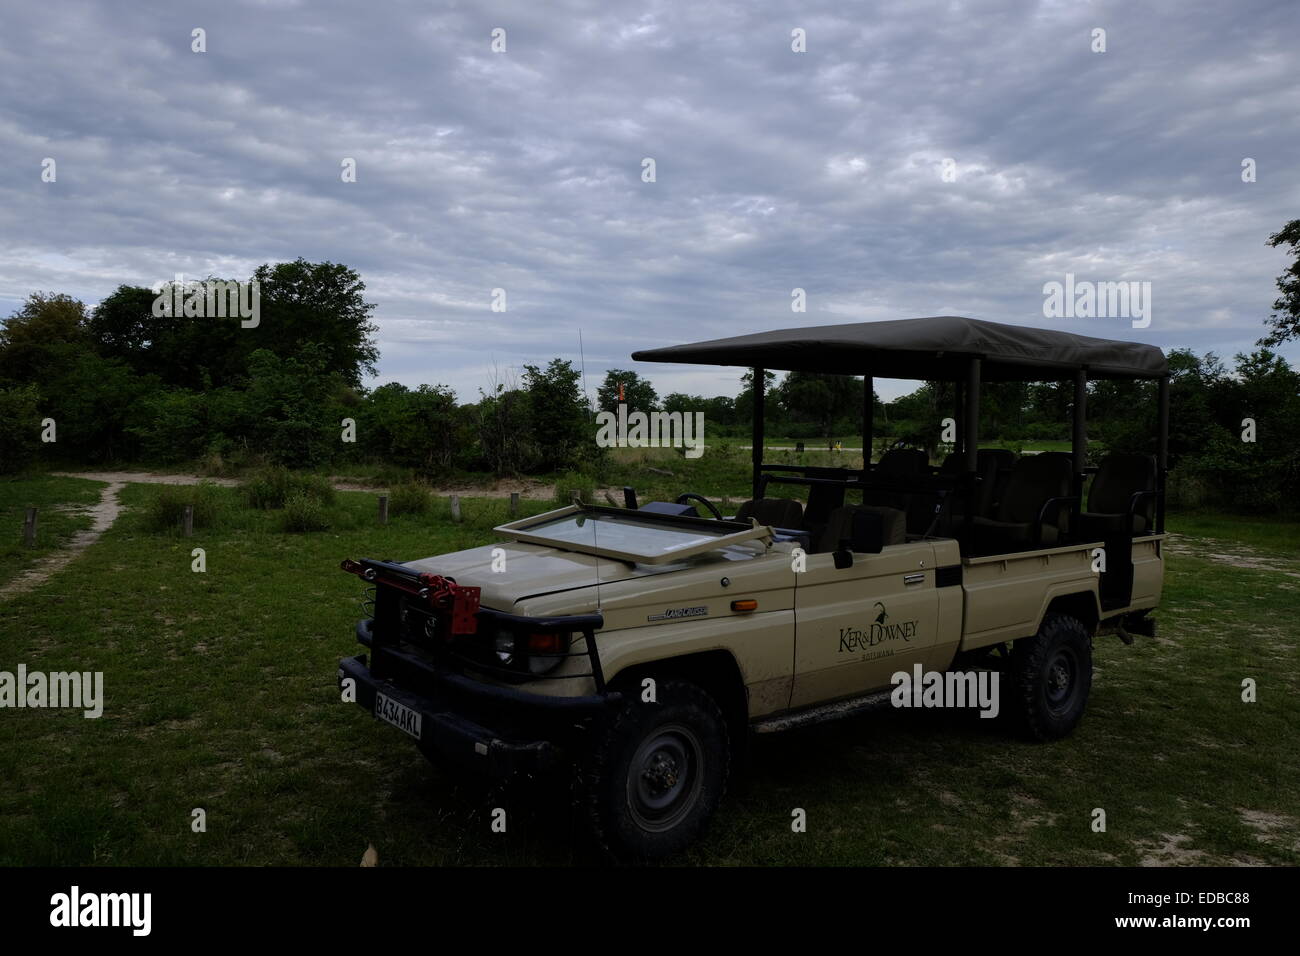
<point>103,513</point>
<point>107,509</point>
<point>503,488</point>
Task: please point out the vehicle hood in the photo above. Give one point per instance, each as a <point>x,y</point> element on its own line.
<point>529,570</point>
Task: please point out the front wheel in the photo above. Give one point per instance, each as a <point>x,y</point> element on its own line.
<point>659,773</point>
<point>1050,677</point>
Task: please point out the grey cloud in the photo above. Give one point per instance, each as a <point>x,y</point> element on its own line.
<point>775,170</point>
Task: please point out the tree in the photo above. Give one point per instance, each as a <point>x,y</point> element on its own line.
<point>20,423</point>
<point>40,342</point>
<point>638,394</point>
<point>123,326</point>
<point>317,302</point>
<point>288,401</point>
<point>1285,320</point>
<point>558,419</point>
<point>46,344</point>
<point>821,398</point>
<point>744,405</point>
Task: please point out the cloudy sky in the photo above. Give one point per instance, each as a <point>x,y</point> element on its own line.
<point>822,170</point>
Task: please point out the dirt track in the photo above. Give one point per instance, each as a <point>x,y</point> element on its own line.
<point>502,488</point>
<point>103,513</point>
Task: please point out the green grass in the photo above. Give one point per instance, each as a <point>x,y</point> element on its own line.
<point>1269,534</point>
<point>220,694</point>
<point>55,524</point>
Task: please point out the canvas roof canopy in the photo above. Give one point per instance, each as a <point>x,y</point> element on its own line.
<point>937,348</point>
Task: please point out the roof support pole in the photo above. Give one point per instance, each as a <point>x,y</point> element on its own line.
<point>1162,455</point>
<point>970,433</point>
<point>971,439</point>
<point>868,411</point>
<point>959,419</point>
<point>1079,433</point>
<point>757,441</point>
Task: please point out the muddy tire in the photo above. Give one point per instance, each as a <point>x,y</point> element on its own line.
<point>658,773</point>
<point>1049,678</point>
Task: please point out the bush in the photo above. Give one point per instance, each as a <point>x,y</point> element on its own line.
<point>273,487</point>
<point>166,507</point>
<point>409,498</point>
<point>20,421</point>
<point>574,481</point>
<point>303,512</point>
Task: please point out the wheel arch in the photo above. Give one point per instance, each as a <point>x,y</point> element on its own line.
<point>1082,605</point>
<point>716,672</point>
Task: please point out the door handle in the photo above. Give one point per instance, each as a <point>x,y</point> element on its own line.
<point>916,578</point>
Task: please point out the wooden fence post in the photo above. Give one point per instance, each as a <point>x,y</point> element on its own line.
<point>187,521</point>
<point>383,509</point>
<point>455,508</point>
<point>29,528</point>
<point>514,504</point>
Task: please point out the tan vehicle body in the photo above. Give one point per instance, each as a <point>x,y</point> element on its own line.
<point>817,634</point>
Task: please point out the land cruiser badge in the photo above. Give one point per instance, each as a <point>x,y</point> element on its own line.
<point>673,613</point>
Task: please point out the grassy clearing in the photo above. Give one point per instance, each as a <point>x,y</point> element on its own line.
<point>220,694</point>
<point>1281,537</point>
<point>56,522</point>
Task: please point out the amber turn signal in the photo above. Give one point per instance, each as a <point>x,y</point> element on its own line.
<point>747,605</point>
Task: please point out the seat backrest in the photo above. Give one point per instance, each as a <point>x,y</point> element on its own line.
<point>773,512</point>
<point>1119,478</point>
<point>903,461</point>
<point>996,464</point>
<point>1005,457</point>
<point>987,468</point>
<point>1034,479</point>
<point>839,527</point>
<point>822,500</point>
<point>896,464</point>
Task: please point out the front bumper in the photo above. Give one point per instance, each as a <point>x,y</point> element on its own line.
<point>499,731</point>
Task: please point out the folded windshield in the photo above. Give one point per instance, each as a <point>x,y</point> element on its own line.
<point>630,535</point>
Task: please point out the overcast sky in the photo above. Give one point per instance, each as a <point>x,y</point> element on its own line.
<point>522,170</point>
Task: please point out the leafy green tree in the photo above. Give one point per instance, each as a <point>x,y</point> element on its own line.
<point>289,400</point>
<point>42,340</point>
<point>744,404</point>
<point>558,420</point>
<point>321,303</point>
<point>1285,320</point>
<point>20,420</point>
<point>501,417</point>
<point>419,428</point>
<point>821,398</point>
<point>638,394</point>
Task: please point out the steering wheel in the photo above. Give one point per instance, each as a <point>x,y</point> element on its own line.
<point>687,496</point>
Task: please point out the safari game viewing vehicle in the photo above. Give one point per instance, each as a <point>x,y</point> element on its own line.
<point>638,648</point>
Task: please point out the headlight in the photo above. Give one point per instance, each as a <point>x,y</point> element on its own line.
<point>546,649</point>
<point>505,647</point>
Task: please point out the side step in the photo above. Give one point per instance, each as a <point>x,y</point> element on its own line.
<point>821,713</point>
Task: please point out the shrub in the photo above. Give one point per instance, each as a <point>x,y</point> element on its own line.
<point>574,481</point>
<point>303,512</point>
<point>409,498</point>
<point>166,506</point>
<point>273,487</point>
<point>19,427</point>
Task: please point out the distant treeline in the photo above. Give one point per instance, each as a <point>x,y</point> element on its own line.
<point>122,383</point>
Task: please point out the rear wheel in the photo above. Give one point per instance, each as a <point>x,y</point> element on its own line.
<point>659,773</point>
<point>1050,677</point>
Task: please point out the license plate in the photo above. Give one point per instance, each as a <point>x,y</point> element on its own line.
<point>399,715</point>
